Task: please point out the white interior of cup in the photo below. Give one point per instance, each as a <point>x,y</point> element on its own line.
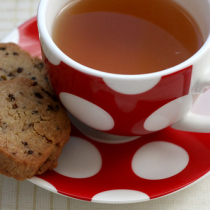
<point>49,9</point>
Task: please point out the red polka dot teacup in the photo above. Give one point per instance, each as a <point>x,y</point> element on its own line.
<point>128,105</point>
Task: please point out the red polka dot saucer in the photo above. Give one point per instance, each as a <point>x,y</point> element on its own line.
<point>124,170</point>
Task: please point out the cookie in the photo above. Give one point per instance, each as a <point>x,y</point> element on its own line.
<point>34,128</point>
<point>15,62</point>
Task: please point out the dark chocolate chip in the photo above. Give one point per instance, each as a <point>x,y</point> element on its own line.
<point>45,91</point>
<point>54,98</point>
<point>30,125</point>
<point>11,97</point>
<point>14,106</point>
<point>15,53</point>
<point>50,108</point>
<point>33,78</point>
<point>20,69</point>
<point>7,53</point>
<point>40,65</point>
<point>24,143</point>
<point>38,95</point>
<point>34,112</point>
<point>3,125</point>
<point>11,74</point>
<point>49,141</point>
<point>34,84</point>
<point>3,48</point>
<point>58,145</point>
<point>30,152</point>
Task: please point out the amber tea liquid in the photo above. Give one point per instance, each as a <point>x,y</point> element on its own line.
<point>126,36</point>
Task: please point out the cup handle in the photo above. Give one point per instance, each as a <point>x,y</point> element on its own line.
<point>194,122</point>
<point>203,83</point>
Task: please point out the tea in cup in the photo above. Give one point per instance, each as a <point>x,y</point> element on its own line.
<point>127,68</point>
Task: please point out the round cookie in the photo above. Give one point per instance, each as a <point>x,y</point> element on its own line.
<point>34,127</point>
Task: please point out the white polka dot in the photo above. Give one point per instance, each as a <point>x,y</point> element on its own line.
<point>131,87</point>
<point>120,196</point>
<point>79,159</point>
<point>42,183</point>
<point>12,37</point>
<point>166,115</point>
<point>159,160</point>
<point>87,112</point>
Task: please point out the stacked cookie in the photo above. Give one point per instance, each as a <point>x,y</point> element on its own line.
<point>34,126</point>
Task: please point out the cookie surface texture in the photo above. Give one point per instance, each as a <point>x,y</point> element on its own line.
<point>15,62</point>
<point>34,127</point>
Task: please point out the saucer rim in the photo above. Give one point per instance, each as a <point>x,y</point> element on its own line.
<point>37,182</point>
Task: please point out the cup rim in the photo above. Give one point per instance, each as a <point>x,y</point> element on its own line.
<point>44,33</point>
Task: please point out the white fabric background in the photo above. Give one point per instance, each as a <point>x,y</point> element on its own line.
<point>26,196</point>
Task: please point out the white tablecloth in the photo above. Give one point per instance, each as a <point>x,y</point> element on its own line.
<point>25,195</point>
